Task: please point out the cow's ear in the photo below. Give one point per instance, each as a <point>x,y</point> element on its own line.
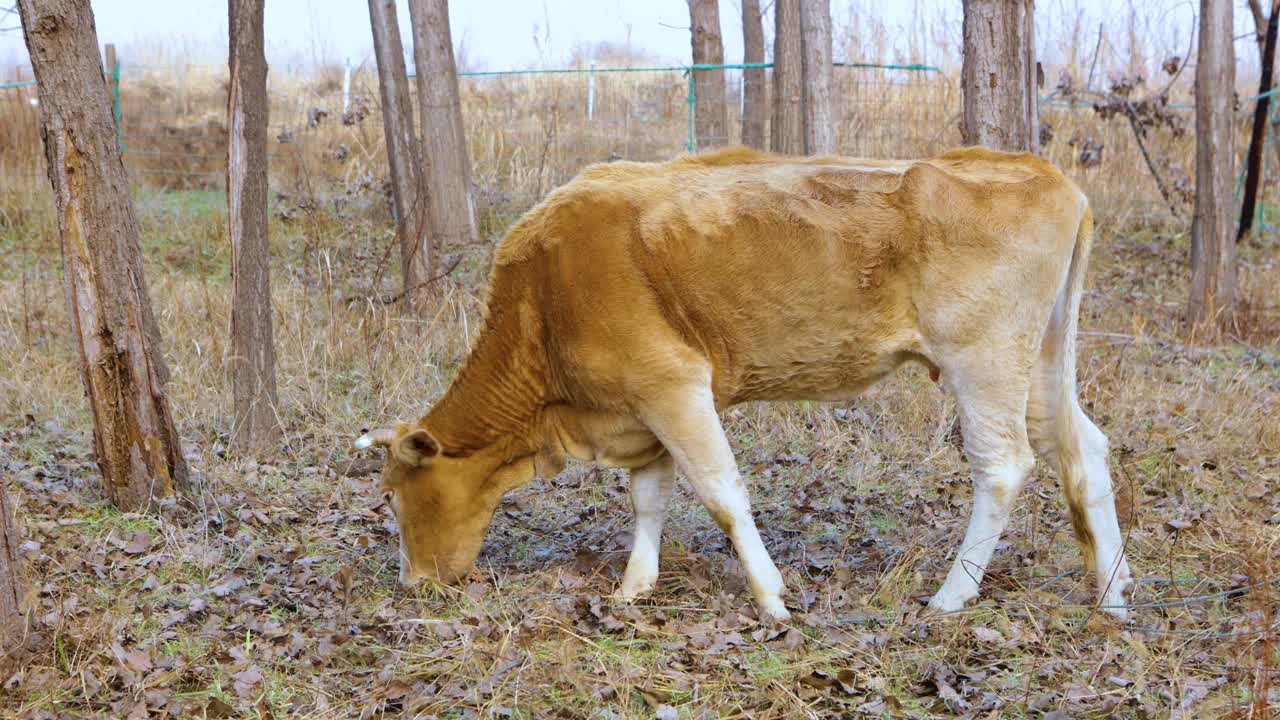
<point>415,448</point>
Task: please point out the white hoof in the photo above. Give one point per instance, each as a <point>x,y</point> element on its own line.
<point>635,587</point>
<point>773,612</point>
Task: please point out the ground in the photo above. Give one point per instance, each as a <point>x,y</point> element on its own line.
<point>272,591</point>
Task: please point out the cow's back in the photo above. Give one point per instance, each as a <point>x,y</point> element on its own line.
<point>793,278</point>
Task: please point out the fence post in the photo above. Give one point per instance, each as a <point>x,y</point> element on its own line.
<point>591,91</point>
<point>346,85</point>
<point>692,98</point>
<point>113,73</point>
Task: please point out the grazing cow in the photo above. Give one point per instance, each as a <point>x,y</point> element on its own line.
<point>638,301</point>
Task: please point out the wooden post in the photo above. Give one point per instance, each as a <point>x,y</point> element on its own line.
<point>755,101</point>
<point>1213,262</point>
<point>446,168</point>
<point>13,618</point>
<point>787,129</point>
<point>711,123</point>
<point>403,152</point>
<point>998,75</point>
<point>122,366</point>
<point>819,120</point>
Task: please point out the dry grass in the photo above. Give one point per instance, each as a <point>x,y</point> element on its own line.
<point>858,501</point>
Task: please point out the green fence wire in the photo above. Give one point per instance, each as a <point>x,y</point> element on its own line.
<point>635,117</point>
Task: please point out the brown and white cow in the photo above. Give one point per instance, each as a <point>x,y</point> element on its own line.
<point>639,300</point>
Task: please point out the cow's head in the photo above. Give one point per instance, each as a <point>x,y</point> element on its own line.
<point>442,501</point>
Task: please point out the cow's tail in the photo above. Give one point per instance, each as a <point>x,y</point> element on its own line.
<point>1057,425</point>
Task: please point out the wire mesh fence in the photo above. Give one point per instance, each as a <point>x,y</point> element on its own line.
<point>529,131</point>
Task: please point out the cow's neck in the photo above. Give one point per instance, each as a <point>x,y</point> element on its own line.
<point>500,389</point>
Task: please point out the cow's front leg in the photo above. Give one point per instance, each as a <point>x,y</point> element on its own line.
<point>651,488</point>
<point>690,429</point>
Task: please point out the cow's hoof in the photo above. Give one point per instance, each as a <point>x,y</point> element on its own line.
<point>773,612</point>
<point>633,589</point>
<point>942,605</point>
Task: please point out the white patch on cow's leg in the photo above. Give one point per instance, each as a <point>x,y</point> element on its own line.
<point>994,490</point>
<point>993,419</point>
<point>651,488</point>
<point>1110,566</point>
<point>690,429</point>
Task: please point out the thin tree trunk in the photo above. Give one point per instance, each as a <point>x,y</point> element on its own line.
<point>819,119</point>
<point>711,122</point>
<point>446,168</point>
<point>122,366</point>
<point>253,357</point>
<point>755,90</point>
<point>1261,111</point>
<point>998,75</point>
<point>403,152</point>
<point>787,128</point>
<point>13,618</point>
<point>1213,264</point>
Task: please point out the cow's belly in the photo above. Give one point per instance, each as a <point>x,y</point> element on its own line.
<point>819,376</point>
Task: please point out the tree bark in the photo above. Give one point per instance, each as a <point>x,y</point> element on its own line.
<point>13,618</point>
<point>755,89</point>
<point>1258,135</point>
<point>787,129</point>
<point>998,75</point>
<point>819,120</point>
<point>711,121</point>
<point>135,442</point>
<point>403,152</point>
<point>1213,265</point>
<point>253,358</point>
<point>446,168</point>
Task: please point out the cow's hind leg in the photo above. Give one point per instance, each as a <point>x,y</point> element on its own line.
<point>687,424</point>
<point>651,488</point>
<point>1065,436</point>
<point>992,409</point>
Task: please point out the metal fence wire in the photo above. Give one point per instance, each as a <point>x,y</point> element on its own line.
<point>529,131</point>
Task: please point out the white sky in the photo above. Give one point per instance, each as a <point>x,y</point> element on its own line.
<point>501,34</point>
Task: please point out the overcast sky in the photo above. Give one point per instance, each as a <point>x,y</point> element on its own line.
<point>500,34</point>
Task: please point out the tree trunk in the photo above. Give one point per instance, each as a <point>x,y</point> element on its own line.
<point>13,619</point>
<point>135,443</point>
<point>253,358</point>
<point>1213,265</point>
<point>787,129</point>
<point>403,152</point>
<point>755,89</point>
<point>446,168</point>
<point>819,120</point>
<point>1258,135</point>
<point>711,122</point>
<point>998,75</point>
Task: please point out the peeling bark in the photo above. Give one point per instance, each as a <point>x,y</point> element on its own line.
<point>135,442</point>
<point>253,359</point>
